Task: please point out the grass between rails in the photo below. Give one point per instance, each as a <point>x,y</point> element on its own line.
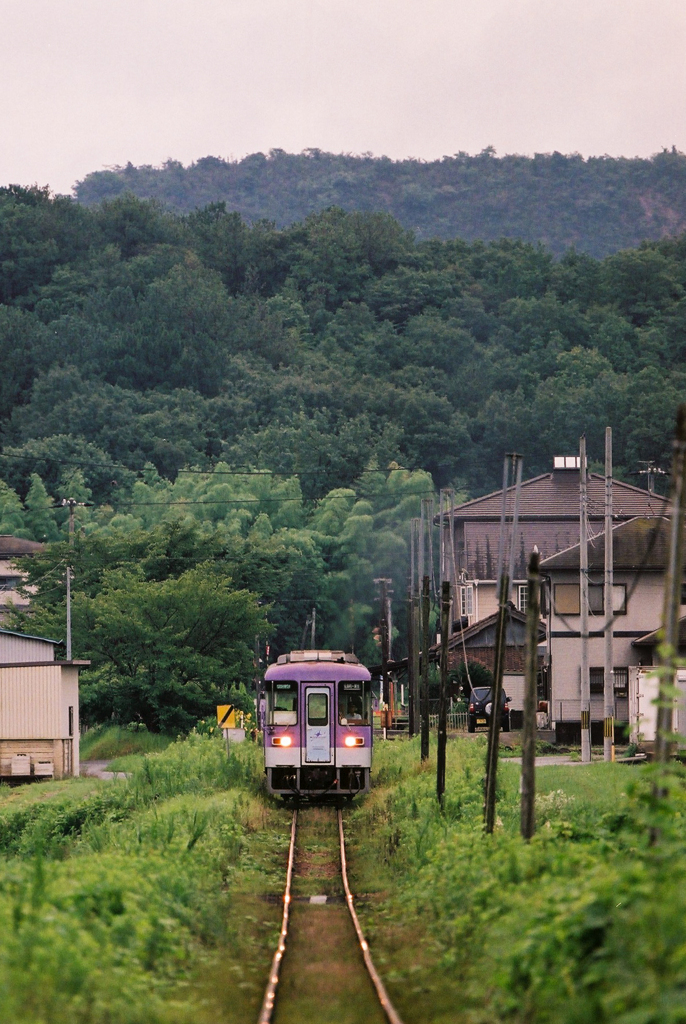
<point>585,923</point>
<point>139,900</point>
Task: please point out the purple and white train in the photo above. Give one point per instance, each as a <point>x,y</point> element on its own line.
<point>316,713</point>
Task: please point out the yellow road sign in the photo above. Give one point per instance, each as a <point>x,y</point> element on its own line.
<point>226,716</point>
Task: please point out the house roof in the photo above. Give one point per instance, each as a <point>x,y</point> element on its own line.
<point>27,636</point>
<point>652,639</point>
<point>12,547</point>
<point>469,634</point>
<point>555,496</point>
<point>641,543</point>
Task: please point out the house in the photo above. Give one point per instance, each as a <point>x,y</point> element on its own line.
<point>39,709</point>
<point>640,552</point>
<point>476,643</point>
<point>10,577</point>
<point>548,519</point>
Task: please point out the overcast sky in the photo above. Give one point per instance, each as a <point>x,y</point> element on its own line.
<point>89,83</point>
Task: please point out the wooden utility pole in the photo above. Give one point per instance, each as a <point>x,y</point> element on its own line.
<point>505,569</point>
<point>609,673</point>
<point>585,690</point>
<point>496,700</point>
<point>668,649</point>
<point>426,607</point>
<point>443,703</point>
<point>533,614</point>
<point>413,673</point>
<point>411,683</point>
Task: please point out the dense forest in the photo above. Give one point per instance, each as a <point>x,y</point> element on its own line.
<point>262,409</point>
<point>598,205</point>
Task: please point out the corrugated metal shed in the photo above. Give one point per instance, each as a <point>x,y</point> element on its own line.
<point>31,702</point>
<point>19,648</point>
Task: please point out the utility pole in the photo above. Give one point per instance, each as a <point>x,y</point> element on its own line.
<point>71,504</point>
<point>664,742</point>
<point>505,568</point>
<point>314,627</point>
<point>609,674</point>
<point>411,638</point>
<point>533,604</point>
<point>583,601</point>
<point>443,703</point>
<point>426,606</point>
<point>384,624</point>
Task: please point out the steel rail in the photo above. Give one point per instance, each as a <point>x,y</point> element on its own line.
<point>386,1004</point>
<point>270,992</point>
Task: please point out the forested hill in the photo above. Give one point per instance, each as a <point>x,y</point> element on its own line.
<point>599,205</point>
<point>147,360</point>
<point>132,335</point>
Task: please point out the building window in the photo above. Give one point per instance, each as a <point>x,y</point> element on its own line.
<point>71,720</point>
<point>596,599</point>
<point>683,593</point>
<point>597,680</point>
<point>621,682</point>
<point>567,599</point>
<point>467,600</point>
<point>522,590</point>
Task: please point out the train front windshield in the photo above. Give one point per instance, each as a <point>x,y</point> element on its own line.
<point>354,703</point>
<point>282,703</point>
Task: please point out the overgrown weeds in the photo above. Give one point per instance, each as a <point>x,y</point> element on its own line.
<point>586,922</point>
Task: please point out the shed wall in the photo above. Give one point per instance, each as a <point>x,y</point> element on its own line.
<point>32,703</point>
<point>15,649</point>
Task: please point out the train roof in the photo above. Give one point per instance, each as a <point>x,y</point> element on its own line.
<point>340,656</point>
<point>324,665</point>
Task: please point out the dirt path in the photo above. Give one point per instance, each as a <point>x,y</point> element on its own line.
<point>323,978</point>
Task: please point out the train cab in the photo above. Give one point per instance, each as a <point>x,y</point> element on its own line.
<point>317,722</point>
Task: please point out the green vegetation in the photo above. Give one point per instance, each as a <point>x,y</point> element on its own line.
<point>587,922</point>
<point>249,416</point>
<point>599,205</point>
<point>138,901</point>
<point>106,742</point>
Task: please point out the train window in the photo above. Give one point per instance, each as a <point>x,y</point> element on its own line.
<point>282,703</point>
<point>354,703</point>
<point>317,709</point>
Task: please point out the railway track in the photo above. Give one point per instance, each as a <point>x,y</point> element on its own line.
<point>272,989</point>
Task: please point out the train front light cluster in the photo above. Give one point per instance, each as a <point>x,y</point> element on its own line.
<point>281,741</point>
<point>354,741</point>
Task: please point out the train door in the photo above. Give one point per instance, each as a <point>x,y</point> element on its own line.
<point>318,725</point>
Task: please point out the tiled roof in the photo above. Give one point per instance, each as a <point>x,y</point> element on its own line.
<point>556,496</point>
<point>642,543</point>
<point>12,547</point>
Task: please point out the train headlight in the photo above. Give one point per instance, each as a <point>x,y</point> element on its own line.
<point>354,741</point>
<point>282,741</point>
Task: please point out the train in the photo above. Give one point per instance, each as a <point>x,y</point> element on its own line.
<point>317,724</point>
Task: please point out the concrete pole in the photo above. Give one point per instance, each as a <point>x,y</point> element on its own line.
<point>443,704</point>
<point>533,604</point>
<point>426,607</point>
<point>668,650</point>
<point>608,675</point>
<point>583,599</point>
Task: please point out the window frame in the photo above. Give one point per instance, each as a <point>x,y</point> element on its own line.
<point>568,587</point>
<point>294,687</point>
<point>365,692</point>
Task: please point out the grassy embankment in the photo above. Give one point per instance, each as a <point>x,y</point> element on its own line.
<point>585,923</point>
<point>116,743</point>
<point>140,900</point>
